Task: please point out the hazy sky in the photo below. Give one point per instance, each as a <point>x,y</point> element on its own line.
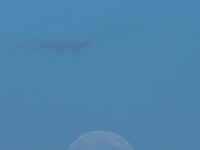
<point>138,77</point>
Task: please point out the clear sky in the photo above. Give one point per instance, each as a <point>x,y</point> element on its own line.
<point>139,76</point>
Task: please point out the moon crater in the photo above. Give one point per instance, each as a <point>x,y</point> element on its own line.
<point>100,140</point>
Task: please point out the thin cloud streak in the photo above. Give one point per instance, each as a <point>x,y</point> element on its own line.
<point>51,45</point>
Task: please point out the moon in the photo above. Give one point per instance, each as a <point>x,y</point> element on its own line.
<point>100,140</point>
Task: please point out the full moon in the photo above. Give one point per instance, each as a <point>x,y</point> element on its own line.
<point>100,140</point>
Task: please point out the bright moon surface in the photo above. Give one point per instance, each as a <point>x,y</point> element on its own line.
<point>100,140</point>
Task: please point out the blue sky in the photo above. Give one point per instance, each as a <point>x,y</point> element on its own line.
<point>140,77</point>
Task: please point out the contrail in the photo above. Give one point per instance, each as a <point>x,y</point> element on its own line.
<point>51,45</point>
<point>63,46</point>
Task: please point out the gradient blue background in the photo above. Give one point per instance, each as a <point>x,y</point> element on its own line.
<point>140,78</point>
